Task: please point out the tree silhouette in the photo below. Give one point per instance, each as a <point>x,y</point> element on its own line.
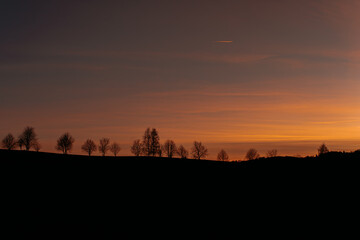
<point>222,156</point>
<point>65,143</point>
<point>89,146</point>
<point>252,154</point>
<point>182,152</point>
<point>136,148</point>
<point>199,151</point>
<point>323,149</point>
<point>28,138</point>
<point>115,148</point>
<point>151,142</point>
<point>161,150</point>
<point>20,143</point>
<point>146,143</point>
<point>37,146</point>
<point>104,145</point>
<point>155,142</point>
<point>9,142</point>
<point>169,148</point>
<point>272,153</point>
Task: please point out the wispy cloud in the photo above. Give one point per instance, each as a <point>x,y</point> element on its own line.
<point>217,93</point>
<point>53,66</point>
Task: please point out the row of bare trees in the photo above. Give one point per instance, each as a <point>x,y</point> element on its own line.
<point>66,141</point>
<point>27,139</point>
<point>148,146</point>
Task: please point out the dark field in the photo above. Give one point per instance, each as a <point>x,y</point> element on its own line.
<point>155,196</point>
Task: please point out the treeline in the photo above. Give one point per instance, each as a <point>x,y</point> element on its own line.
<point>148,145</point>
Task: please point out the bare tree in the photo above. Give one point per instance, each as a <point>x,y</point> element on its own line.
<point>272,153</point>
<point>199,150</point>
<point>136,148</point>
<point>182,152</point>
<point>170,148</point>
<point>20,143</point>
<point>146,143</point>
<point>252,154</point>
<point>115,148</point>
<point>9,142</point>
<point>222,156</point>
<point>89,146</point>
<point>323,149</point>
<point>161,150</point>
<point>37,146</point>
<point>28,138</point>
<point>65,143</point>
<point>104,145</point>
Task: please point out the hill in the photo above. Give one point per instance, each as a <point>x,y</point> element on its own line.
<point>147,195</point>
<point>28,163</point>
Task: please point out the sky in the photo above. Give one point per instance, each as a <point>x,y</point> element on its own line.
<point>289,79</point>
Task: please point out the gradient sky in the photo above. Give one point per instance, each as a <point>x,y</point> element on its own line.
<point>290,78</point>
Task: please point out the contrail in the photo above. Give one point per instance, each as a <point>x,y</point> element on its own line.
<point>224,41</point>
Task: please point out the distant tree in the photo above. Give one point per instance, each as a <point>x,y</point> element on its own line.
<point>65,143</point>
<point>115,148</point>
<point>20,143</point>
<point>28,138</point>
<point>146,143</point>
<point>323,149</point>
<point>182,152</point>
<point>37,146</point>
<point>272,153</point>
<point>136,148</point>
<point>199,150</point>
<point>252,154</point>
<point>161,150</point>
<point>222,156</point>
<point>9,142</point>
<point>155,142</point>
<point>169,148</point>
<point>89,146</point>
<point>104,145</point>
<point>151,142</point>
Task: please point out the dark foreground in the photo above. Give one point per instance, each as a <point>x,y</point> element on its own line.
<point>153,197</point>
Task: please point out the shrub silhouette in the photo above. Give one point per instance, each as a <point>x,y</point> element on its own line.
<point>136,147</point>
<point>8,142</point>
<point>252,154</point>
<point>161,150</point>
<point>199,150</point>
<point>20,143</point>
<point>222,156</point>
<point>89,146</point>
<point>104,145</point>
<point>28,138</point>
<point>37,146</point>
<point>323,149</point>
<point>65,143</point>
<point>170,148</point>
<point>115,148</point>
<point>272,153</point>
<point>182,152</point>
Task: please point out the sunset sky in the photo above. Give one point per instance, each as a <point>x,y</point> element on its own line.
<point>281,74</point>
